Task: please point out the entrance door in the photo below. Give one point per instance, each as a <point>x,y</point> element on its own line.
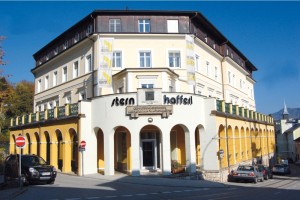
<point>148,154</point>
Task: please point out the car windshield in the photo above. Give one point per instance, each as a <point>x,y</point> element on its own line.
<point>245,168</point>
<point>32,161</point>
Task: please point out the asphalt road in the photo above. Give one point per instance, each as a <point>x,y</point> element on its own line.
<point>73,188</point>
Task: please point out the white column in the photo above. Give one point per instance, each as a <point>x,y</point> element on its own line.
<point>190,151</point>
<point>135,152</point>
<point>109,153</point>
<point>166,152</point>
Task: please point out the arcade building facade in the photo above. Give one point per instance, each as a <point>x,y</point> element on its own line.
<point>144,89</point>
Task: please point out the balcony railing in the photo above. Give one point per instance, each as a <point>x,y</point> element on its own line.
<point>58,112</point>
<point>230,109</point>
<point>61,111</point>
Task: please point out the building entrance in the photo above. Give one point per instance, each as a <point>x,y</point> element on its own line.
<point>150,146</point>
<point>148,149</point>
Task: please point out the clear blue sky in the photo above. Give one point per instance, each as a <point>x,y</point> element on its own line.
<point>267,33</point>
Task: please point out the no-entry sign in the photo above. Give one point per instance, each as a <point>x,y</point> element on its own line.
<point>20,141</point>
<point>82,144</point>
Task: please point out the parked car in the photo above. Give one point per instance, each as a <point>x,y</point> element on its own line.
<point>246,173</point>
<point>281,169</point>
<point>266,171</point>
<point>297,163</point>
<point>33,169</point>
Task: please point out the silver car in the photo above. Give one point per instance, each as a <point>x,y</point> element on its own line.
<point>281,169</point>
<point>247,173</point>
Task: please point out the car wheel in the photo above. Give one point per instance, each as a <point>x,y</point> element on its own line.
<point>255,180</point>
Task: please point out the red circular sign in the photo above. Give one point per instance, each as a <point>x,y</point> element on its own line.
<point>20,141</point>
<point>82,144</point>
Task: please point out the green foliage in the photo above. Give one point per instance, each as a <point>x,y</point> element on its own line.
<point>21,100</point>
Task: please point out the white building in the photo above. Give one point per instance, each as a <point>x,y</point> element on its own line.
<point>145,88</point>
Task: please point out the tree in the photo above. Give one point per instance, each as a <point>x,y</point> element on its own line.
<point>21,100</point>
<point>1,52</point>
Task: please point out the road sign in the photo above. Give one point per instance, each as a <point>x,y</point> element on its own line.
<point>20,141</point>
<point>221,153</point>
<point>82,144</point>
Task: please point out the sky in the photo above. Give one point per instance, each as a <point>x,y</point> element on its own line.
<point>267,33</point>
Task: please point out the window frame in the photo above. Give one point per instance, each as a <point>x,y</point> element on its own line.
<point>145,57</point>
<point>75,71</point>
<point>115,59</point>
<point>88,63</point>
<point>144,25</point>
<point>64,74</point>
<point>114,22</point>
<point>175,59</point>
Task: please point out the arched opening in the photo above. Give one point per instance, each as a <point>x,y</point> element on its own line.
<point>48,147</point>
<point>37,138</point>
<point>198,132</point>
<point>122,145</point>
<point>223,146</point>
<point>249,151</point>
<point>150,148</point>
<point>59,156</point>
<point>243,145</point>
<point>28,148</point>
<point>237,141</point>
<point>13,147</point>
<point>231,153</point>
<point>100,151</point>
<point>177,140</point>
<point>74,157</point>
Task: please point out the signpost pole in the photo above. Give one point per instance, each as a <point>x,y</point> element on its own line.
<point>82,167</point>
<point>82,149</point>
<point>20,142</point>
<point>20,175</point>
<point>221,154</point>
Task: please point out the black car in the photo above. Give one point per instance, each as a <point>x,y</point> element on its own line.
<point>266,171</point>
<point>33,169</point>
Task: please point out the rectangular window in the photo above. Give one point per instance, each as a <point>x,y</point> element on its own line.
<point>145,59</point>
<point>147,85</point>
<point>117,59</point>
<point>172,26</point>
<point>55,78</point>
<point>57,102</point>
<point>197,63</point>
<point>115,25</point>
<point>241,84</point>
<point>144,25</point>
<point>174,59</point>
<point>216,73</point>
<point>75,70</point>
<point>88,64</point>
<point>120,89</point>
<point>39,88</point>
<point>229,78</point>
<point>68,99</point>
<point>82,95</point>
<point>65,74</point>
<point>207,68</point>
<point>46,82</point>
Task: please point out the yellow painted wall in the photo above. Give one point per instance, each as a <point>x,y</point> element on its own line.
<point>67,129</point>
